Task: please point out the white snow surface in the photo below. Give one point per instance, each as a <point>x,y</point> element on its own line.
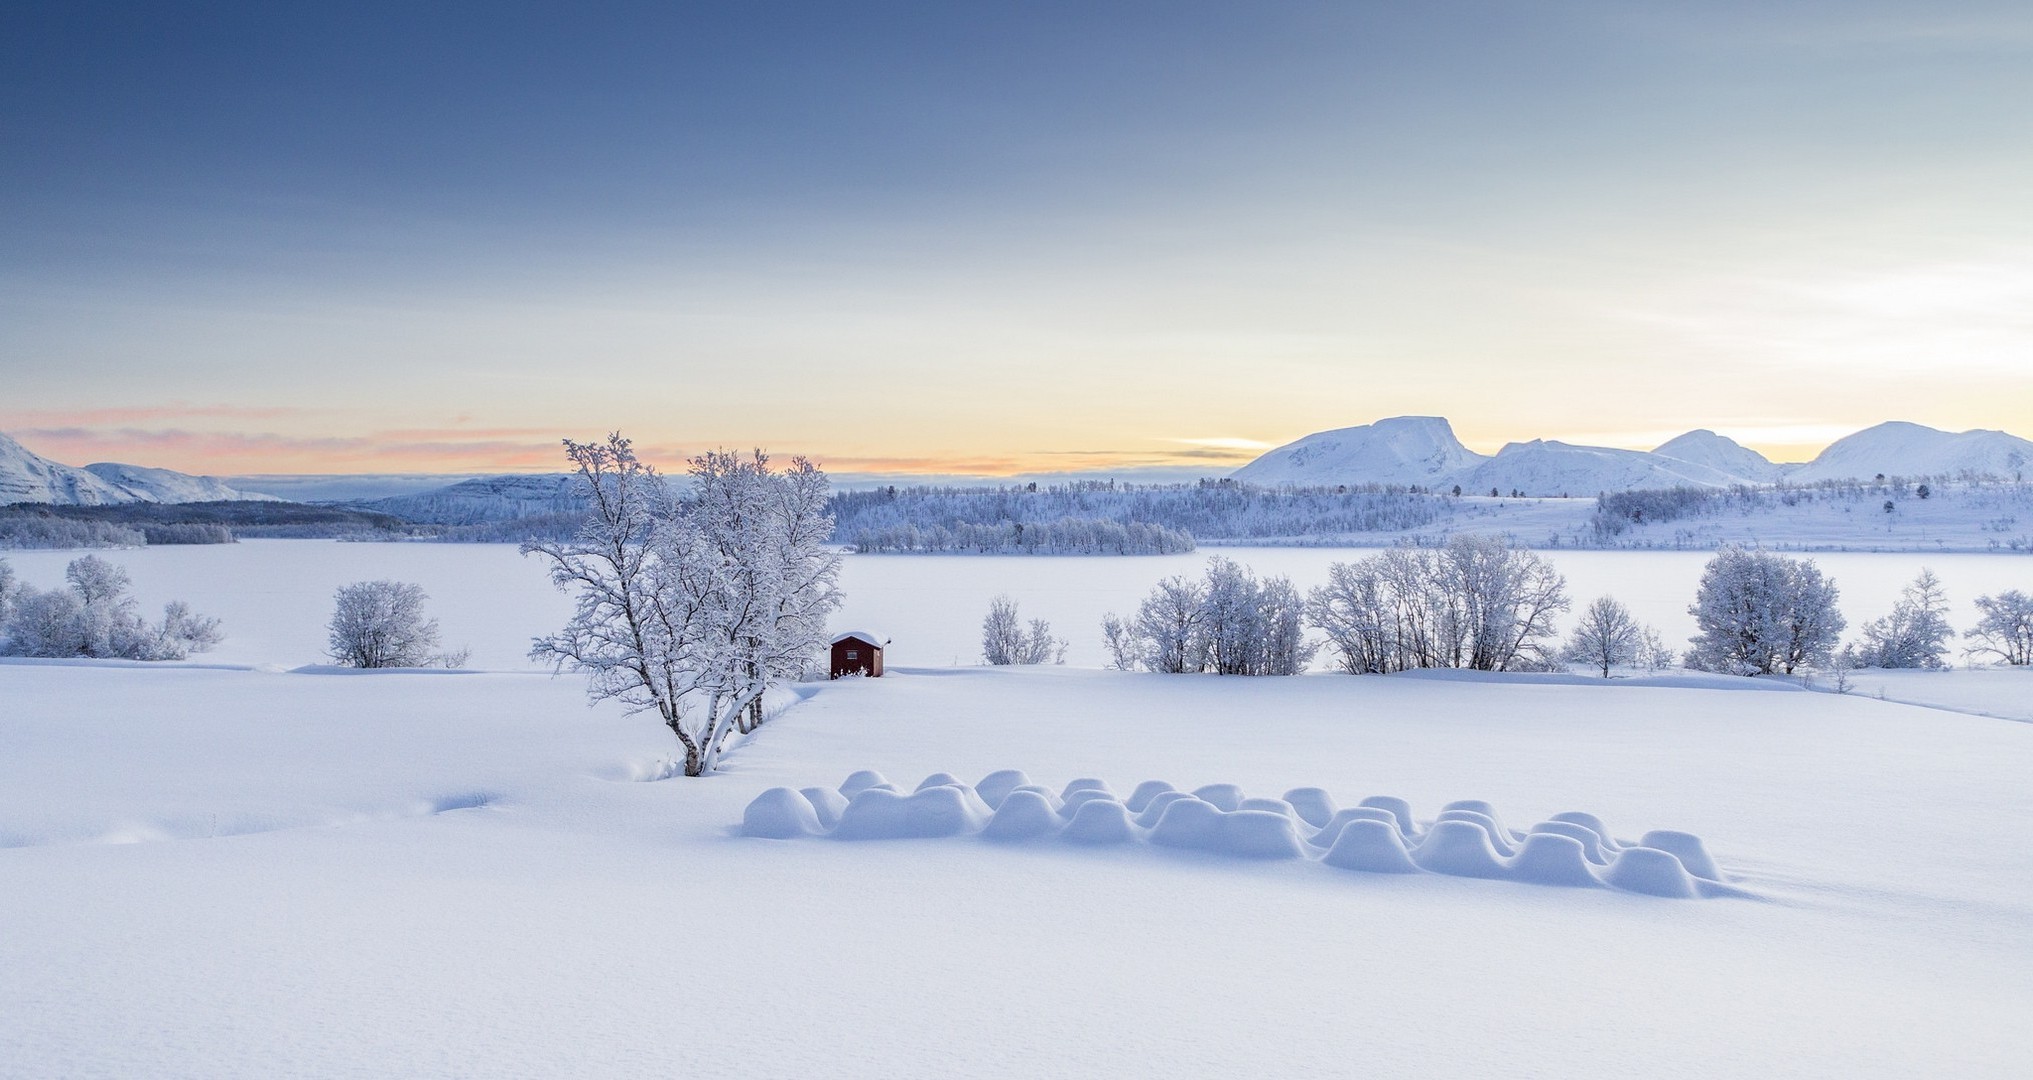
<point>26,476</point>
<point>237,873</point>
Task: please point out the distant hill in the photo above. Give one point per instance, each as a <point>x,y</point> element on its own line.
<point>1546,467</point>
<point>1422,451</point>
<point>1897,448</point>
<point>1721,453</point>
<point>486,499</point>
<point>1407,450</point>
<point>28,477</point>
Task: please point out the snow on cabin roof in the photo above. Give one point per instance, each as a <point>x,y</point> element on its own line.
<point>862,634</point>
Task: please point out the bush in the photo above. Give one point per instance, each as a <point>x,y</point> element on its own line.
<point>381,624</point>
<point>1005,641</point>
<point>95,617</point>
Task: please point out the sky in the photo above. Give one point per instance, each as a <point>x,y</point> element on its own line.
<point>1001,238</point>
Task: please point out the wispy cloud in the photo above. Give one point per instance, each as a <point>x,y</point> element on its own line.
<point>140,414</point>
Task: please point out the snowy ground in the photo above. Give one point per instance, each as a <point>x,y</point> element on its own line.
<point>244,873</point>
<point>243,870</point>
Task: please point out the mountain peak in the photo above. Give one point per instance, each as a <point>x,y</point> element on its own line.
<point>1396,450</point>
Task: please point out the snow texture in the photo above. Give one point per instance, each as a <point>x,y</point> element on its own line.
<point>1464,840</point>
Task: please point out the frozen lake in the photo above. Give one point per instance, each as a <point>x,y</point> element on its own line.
<point>274,596</point>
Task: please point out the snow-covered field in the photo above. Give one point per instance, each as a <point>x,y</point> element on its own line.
<point>220,871</point>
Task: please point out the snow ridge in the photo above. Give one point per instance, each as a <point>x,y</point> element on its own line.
<point>1377,835</point>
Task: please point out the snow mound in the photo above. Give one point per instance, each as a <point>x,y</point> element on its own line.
<point>1379,835</point>
<point>780,814</point>
<point>1100,821</point>
<point>1023,815</point>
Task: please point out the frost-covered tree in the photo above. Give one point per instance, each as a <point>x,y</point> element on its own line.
<point>1477,603</point>
<point>1761,613</point>
<point>1230,623</point>
<point>693,608</point>
<point>1006,640</point>
<point>2005,628</point>
<point>1608,636</point>
<point>381,624</point>
<point>1508,599</point>
<point>1167,627</point>
<point>1002,632</point>
<point>1915,635</point>
<point>9,586</point>
<point>93,616</point>
<point>1119,638</point>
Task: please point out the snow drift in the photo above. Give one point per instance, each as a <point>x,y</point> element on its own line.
<point>1378,836</point>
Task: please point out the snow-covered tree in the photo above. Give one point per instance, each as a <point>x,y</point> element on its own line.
<point>1508,598</point>
<point>693,608</point>
<point>1230,623</point>
<point>9,586</point>
<point>2005,629</point>
<point>1477,603</point>
<point>1002,632</point>
<point>95,617</point>
<point>381,624</point>
<point>1119,638</point>
<point>1761,613</point>
<point>1608,636</point>
<point>1167,627</point>
<point>1005,639</point>
<point>1915,635</point>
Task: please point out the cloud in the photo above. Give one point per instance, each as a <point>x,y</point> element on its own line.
<point>136,414</point>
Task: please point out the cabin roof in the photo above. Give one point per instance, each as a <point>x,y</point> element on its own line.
<point>861,635</point>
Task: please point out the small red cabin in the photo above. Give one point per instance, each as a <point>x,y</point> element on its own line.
<point>858,652</point>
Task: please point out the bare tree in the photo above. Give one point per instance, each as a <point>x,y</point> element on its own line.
<point>2005,629</point>
<point>1606,636</point>
<point>1477,603</point>
<point>381,624</point>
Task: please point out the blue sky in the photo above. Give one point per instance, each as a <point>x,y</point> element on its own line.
<point>999,238</point>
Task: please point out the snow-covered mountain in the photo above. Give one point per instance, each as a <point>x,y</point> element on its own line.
<point>1721,453</point>
<point>485,499</point>
<point>1401,450</point>
<point>1422,450</point>
<point>26,476</point>
<point>1545,467</point>
<point>1897,448</point>
<point>169,486</point>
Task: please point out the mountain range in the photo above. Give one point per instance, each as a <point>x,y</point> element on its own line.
<point>1410,451</point>
<point>27,477</point>
<point>1423,451</point>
